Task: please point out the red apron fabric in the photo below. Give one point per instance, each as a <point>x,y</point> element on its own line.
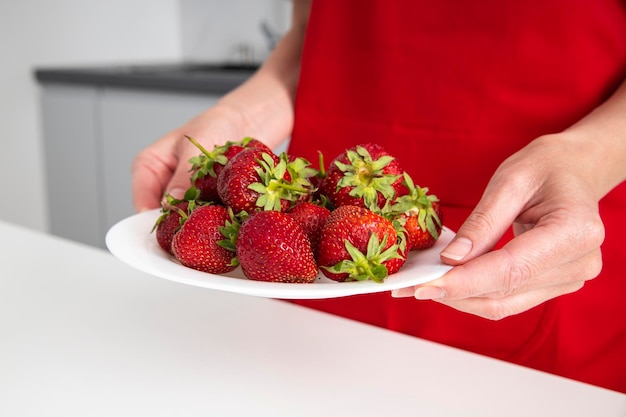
<point>452,88</point>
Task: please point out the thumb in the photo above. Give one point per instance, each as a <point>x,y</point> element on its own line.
<point>160,168</point>
<point>180,181</point>
<point>484,227</point>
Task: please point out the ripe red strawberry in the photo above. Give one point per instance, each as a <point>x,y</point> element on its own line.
<point>421,215</point>
<point>202,242</point>
<point>174,212</point>
<point>358,244</point>
<point>255,179</point>
<point>272,246</point>
<point>394,265</point>
<point>169,222</point>
<point>312,218</point>
<point>206,166</point>
<point>420,237</point>
<point>365,176</point>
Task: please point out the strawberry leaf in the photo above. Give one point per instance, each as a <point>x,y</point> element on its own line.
<point>230,231</point>
<point>368,266</point>
<point>191,194</point>
<point>418,202</point>
<point>366,176</point>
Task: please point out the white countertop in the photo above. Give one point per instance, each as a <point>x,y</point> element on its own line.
<point>82,334</point>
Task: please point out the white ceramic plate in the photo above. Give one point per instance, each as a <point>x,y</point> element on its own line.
<point>130,241</point>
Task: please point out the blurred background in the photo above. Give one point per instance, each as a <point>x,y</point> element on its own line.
<point>39,126</point>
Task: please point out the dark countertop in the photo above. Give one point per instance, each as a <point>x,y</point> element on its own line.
<point>182,77</point>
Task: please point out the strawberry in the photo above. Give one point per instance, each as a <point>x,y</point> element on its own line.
<point>272,246</point>
<point>303,176</point>
<point>255,179</point>
<point>420,214</point>
<point>358,244</point>
<point>315,177</point>
<point>169,222</point>
<point>205,242</point>
<point>174,212</point>
<point>206,166</point>
<point>365,176</point>
<point>419,237</point>
<point>311,218</point>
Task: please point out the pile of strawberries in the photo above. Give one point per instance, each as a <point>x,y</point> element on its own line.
<point>282,220</point>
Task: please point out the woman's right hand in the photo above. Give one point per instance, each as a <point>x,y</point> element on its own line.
<point>163,166</point>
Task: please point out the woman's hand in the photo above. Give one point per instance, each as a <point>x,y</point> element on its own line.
<point>548,194</point>
<point>163,167</point>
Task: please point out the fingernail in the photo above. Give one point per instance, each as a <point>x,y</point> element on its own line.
<point>457,249</point>
<point>177,193</point>
<point>403,292</point>
<point>429,293</point>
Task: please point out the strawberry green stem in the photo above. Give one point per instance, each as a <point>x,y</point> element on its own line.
<point>290,187</point>
<point>322,170</point>
<point>197,144</point>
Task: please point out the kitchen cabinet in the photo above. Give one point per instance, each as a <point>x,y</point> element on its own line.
<point>96,120</point>
<point>71,162</point>
<point>91,135</point>
<point>130,121</point>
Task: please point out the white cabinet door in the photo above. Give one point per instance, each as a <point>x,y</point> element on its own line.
<point>70,119</point>
<point>129,121</point>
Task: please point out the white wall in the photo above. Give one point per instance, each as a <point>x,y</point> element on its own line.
<point>69,33</point>
<point>36,33</point>
<point>216,30</point>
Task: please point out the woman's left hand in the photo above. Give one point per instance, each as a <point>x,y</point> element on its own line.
<point>548,194</point>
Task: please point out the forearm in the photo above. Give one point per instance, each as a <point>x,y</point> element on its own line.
<point>602,138</point>
<point>266,101</point>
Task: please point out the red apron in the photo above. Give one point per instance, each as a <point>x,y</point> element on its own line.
<point>452,88</point>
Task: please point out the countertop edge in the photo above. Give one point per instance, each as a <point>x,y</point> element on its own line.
<point>181,78</point>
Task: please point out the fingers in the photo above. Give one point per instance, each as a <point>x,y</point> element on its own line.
<point>540,254</point>
<point>152,173</point>
<point>485,276</point>
<point>149,175</point>
<point>180,180</point>
<point>545,260</point>
<point>579,270</point>
<point>496,305</point>
<point>499,308</point>
<point>488,222</point>
<point>487,287</point>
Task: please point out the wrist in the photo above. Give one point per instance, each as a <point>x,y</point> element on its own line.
<point>602,135</point>
<point>596,155</point>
